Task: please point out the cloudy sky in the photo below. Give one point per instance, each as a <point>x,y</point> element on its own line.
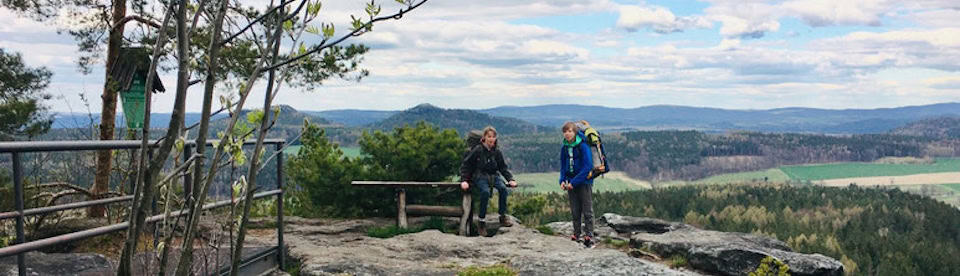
<point>741,54</point>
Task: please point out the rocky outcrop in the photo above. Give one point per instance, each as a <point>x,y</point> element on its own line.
<point>722,253</point>
<point>88,264</point>
<point>330,247</point>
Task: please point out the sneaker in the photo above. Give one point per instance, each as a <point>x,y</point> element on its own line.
<point>505,221</point>
<point>588,242</point>
<point>575,238</point>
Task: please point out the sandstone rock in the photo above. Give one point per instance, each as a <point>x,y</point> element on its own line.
<point>432,252</point>
<point>718,252</point>
<point>85,264</point>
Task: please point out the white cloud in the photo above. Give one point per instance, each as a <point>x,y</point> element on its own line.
<point>658,19</point>
<point>838,12</point>
<point>936,18</point>
<point>952,82</point>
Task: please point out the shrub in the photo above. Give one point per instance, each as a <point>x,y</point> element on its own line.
<point>771,267</point>
<point>494,270</point>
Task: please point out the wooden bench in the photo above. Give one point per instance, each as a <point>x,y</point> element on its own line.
<point>462,211</point>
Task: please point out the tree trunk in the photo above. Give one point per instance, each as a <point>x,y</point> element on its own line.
<point>138,213</point>
<point>186,256</point>
<point>254,160</point>
<point>108,112</point>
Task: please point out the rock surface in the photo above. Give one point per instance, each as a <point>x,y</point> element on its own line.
<point>723,253</point>
<point>330,247</point>
<point>87,264</point>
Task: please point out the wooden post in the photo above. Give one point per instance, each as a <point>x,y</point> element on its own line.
<point>401,208</point>
<point>465,217</point>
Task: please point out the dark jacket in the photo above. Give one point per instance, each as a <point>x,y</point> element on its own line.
<point>480,160</point>
<point>582,163</point>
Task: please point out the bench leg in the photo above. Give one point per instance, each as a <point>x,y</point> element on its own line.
<point>465,217</point>
<point>401,208</point>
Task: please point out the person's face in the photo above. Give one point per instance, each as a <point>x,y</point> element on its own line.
<point>489,139</point>
<point>568,134</point>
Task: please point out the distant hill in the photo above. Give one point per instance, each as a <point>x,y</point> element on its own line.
<point>657,117</point>
<point>848,121</point>
<point>157,120</point>
<point>462,120</point>
<point>939,128</point>
<point>353,117</point>
<point>289,122</point>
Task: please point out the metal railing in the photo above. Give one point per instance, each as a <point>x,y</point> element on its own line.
<point>16,150</point>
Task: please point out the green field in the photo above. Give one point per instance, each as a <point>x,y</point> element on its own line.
<point>955,187</point>
<point>547,182</point>
<point>770,175</point>
<point>351,152</point>
<point>848,170</point>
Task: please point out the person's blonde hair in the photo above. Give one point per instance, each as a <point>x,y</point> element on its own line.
<point>488,129</point>
<point>570,125</point>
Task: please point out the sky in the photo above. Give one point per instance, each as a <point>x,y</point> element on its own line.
<point>735,54</point>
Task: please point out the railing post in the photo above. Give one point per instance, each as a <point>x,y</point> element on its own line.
<point>466,205</point>
<point>281,253</point>
<point>18,194</point>
<point>401,208</point>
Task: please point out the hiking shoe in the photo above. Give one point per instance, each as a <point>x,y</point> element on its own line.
<point>588,242</point>
<point>505,221</point>
<point>575,238</point>
<point>482,228</point>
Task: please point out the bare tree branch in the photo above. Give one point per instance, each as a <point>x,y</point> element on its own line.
<point>137,18</point>
<point>355,32</point>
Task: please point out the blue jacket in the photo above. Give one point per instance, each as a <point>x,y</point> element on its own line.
<point>582,163</point>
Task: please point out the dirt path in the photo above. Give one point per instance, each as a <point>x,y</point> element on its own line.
<point>624,177</point>
<point>914,179</point>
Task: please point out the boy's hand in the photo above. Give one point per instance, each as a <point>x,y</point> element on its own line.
<point>464,185</point>
<point>512,183</point>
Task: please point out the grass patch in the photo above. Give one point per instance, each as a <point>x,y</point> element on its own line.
<point>546,230</point>
<point>848,170</point>
<point>677,261</point>
<point>616,243</point>
<point>547,183</point>
<point>387,232</point>
<point>494,270</point>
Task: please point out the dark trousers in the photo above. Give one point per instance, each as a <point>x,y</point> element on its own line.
<point>482,186</point>
<point>581,208</point>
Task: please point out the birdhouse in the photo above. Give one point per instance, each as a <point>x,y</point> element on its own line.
<point>129,73</point>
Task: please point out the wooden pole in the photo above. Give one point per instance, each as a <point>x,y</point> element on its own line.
<point>465,217</point>
<point>401,208</point>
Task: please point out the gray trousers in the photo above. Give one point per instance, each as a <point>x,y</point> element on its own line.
<point>581,207</point>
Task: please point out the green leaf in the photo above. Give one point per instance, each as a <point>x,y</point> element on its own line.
<point>303,48</point>
<point>288,25</point>
<point>328,30</point>
<point>401,2</point>
<point>314,8</point>
<point>313,30</point>
<point>357,24</point>
<point>372,9</point>
<point>179,144</point>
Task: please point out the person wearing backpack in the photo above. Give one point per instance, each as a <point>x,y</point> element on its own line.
<point>576,164</point>
<point>479,169</point>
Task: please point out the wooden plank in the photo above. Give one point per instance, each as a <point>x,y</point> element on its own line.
<point>465,217</point>
<point>403,184</point>
<point>401,209</point>
<point>431,210</point>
